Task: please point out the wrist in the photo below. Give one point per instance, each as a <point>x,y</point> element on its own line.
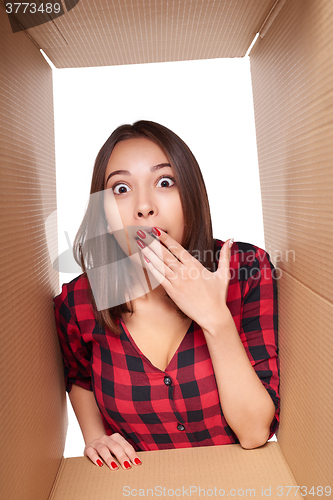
<point>91,436</point>
<point>219,323</point>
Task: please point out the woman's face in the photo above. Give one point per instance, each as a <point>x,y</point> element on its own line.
<point>140,190</point>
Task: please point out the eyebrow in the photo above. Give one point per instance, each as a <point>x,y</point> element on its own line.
<point>126,172</point>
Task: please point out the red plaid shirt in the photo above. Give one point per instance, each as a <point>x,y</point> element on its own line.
<point>178,407</point>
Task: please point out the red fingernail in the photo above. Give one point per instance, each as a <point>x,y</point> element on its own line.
<point>141,234</point>
<point>114,465</point>
<point>137,461</point>
<point>147,260</point>
<point>140,243</point>
<point>99,463</point>
<point>127,465</point>
<point>156,231</point>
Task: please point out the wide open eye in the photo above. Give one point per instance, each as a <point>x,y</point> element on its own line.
<point>166,181</point>
<point>119,188</point>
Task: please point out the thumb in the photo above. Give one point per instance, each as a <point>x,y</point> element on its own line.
<point>224,260</point>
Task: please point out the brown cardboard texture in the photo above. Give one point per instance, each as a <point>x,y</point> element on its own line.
<point>291,65</point>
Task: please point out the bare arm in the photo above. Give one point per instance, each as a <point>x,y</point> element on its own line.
<point>87,413</point>
<point>246,404</point>
<point>98,444</point>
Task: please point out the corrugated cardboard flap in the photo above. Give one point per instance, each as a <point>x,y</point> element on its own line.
<point>213,471</point>
<point>107,33</point>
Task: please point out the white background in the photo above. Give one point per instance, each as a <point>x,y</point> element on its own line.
<point>207,103</point>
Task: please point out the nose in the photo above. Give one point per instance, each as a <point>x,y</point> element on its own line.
<point>145,214</point>
<point>145,207</point>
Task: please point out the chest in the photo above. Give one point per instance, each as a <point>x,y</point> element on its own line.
<point>157,334</point>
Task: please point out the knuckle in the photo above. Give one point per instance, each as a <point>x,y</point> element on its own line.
<point>87,452</point>
<point>102,448</point>
<point>128,448</point>
<point>116,436</point>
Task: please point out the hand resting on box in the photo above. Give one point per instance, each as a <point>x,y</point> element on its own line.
<point>116,445</point>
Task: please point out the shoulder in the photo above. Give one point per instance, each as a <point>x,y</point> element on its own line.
<point>74,296</point>
<point>72,289</point>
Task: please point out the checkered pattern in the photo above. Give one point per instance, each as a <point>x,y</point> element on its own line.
<point>178,407</point>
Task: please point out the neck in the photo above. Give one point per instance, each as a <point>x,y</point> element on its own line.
<point>157,294</point>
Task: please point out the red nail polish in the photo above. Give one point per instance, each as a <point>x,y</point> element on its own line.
<point>137,461</point>
<point>114,465</point>
<point>141,234</point>
<point>99,463</point>
<point>147,260</point>
<point>156,231</point>
<point>127,465</point>
<point>140,243</point>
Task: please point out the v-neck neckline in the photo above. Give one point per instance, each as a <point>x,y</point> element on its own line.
<point>136,347</point>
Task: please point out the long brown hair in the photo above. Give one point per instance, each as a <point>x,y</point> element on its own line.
<point>93,244</point>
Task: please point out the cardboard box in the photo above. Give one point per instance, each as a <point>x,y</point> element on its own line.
<point>291,65</point>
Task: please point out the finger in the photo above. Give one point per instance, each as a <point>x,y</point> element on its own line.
<point>156,262</point>
<point>107,452</point>
<point>174,247</point>
<point>226,250</point>
<point>154,244</point>
<point>127,448</point>
<point>224,259</point>
<point>91,453</point>
<point>160,278</point>
<point>116,449</point>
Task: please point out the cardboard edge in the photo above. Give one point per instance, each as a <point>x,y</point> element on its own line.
<point>57,478</point>
<point>95,483</point>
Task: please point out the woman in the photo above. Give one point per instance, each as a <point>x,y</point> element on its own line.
<point>169,337</point>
